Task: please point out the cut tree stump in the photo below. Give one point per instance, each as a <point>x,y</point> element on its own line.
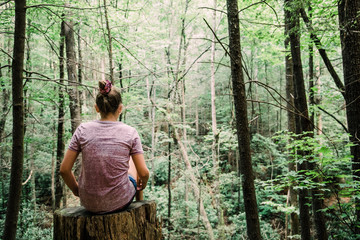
<point>138,221</point>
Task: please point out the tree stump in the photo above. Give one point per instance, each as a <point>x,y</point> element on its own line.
<point>138,221</point>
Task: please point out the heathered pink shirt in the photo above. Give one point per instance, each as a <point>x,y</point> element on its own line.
<point>106,146</point>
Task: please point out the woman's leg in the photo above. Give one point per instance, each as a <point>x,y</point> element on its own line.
<point>132,171</point>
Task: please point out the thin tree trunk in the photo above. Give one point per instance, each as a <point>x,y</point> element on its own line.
<point>318,100</point>
<point>80,71</point>
<point>13,206</point>
<point>32,180</point>
<point>242,126</point>
<point>169,182</point>
<point>153,132</point>
<point>317,195</point>
<point>194,183</point>
<point>4,110</point>
<point>60,127</point>
<point>216,170</point>
<point>111,68</point>
<point>197,119</point>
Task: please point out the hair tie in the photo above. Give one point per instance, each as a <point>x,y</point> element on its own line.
<point>107,88</point>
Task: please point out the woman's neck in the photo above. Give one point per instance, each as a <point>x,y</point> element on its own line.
<point>109,117</point>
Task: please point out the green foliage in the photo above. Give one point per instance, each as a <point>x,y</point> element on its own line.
<point>147,39</point>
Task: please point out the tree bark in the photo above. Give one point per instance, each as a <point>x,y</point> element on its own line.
<point>294,218</point>
<point>242,126</point>
<point>317,202</point>
<point>80,72</point>
<point>299,100</point>
<point>72,75</point>
<point>13,206</point>
<point>303,124</point>
<point>60,127</point>
<point>111,68</point>
<point>349,21</point>
<point>138,221</point>
<point>169,183</point>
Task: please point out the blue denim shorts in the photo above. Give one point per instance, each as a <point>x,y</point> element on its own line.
<point>133,181</point>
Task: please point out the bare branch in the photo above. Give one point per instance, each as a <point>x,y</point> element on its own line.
<point>62,6</point>
<point>2,50</point>
<point>337,120</point>
<point>152,72</point>
<point>213,9</point>
<point>3,3</point>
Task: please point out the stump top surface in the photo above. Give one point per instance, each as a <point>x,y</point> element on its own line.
<point>81,211</point>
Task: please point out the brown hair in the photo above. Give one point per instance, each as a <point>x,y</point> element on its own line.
<point>108,100</point>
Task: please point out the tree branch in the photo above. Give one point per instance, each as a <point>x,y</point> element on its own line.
<point>322,52</point>
<point>337,120</point>
<point>3,3</point>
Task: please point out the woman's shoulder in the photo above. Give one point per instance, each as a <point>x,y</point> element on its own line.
<point>109,125</point>
<point>126,126</point>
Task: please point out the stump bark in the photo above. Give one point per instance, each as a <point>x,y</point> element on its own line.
<point>138,221</point>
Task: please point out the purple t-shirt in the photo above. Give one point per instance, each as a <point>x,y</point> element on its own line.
<point>106,146</point>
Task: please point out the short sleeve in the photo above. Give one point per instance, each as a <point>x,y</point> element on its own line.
<point>136,146</point>
<point>75,141</point>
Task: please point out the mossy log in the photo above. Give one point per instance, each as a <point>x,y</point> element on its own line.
<point>139,221</point>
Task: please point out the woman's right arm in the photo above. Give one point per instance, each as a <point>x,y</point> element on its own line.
<point>66,173</point>
<point>142,170</point>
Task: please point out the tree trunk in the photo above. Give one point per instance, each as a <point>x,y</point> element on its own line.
<point>317,195</point>
<point>349,21</point>
<point>111,68</point>
<point>194,184</point>
<point>138,221</point>
<point>302,123</point>
<point>294,218</point>
<point>216,170</point>
<point>72,75</point>
<point>242,127</point>
<point>60,128</point>
<point>169,183</point>
<point>13,206</point>
<point>80,72</point>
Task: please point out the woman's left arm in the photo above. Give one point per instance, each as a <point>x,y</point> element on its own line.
<point>67,174</point>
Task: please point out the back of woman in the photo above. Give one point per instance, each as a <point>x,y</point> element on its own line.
<point>109,177</point>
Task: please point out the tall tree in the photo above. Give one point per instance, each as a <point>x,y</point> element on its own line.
<point>242,125</point>
<point>13,206</point>
<point>349,21</point>
<point>214,145</point>
<point>60,128</point>
<point>72,73</point>
<point>301,118</point>
<point>294,218</point>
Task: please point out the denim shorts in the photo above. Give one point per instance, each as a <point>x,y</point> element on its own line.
<point>133,181</point>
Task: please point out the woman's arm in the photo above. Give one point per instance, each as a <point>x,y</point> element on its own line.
<point>67,174</point>
<point>142,170</point>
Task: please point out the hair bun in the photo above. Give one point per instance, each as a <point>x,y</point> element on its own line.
<point>105,87</point>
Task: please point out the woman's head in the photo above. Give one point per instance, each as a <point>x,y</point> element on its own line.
<point>108,99</point>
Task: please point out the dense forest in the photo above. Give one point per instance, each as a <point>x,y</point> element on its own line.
<point>248,111</point>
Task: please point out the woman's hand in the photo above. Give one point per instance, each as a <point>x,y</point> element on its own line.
<point>139,185</point>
